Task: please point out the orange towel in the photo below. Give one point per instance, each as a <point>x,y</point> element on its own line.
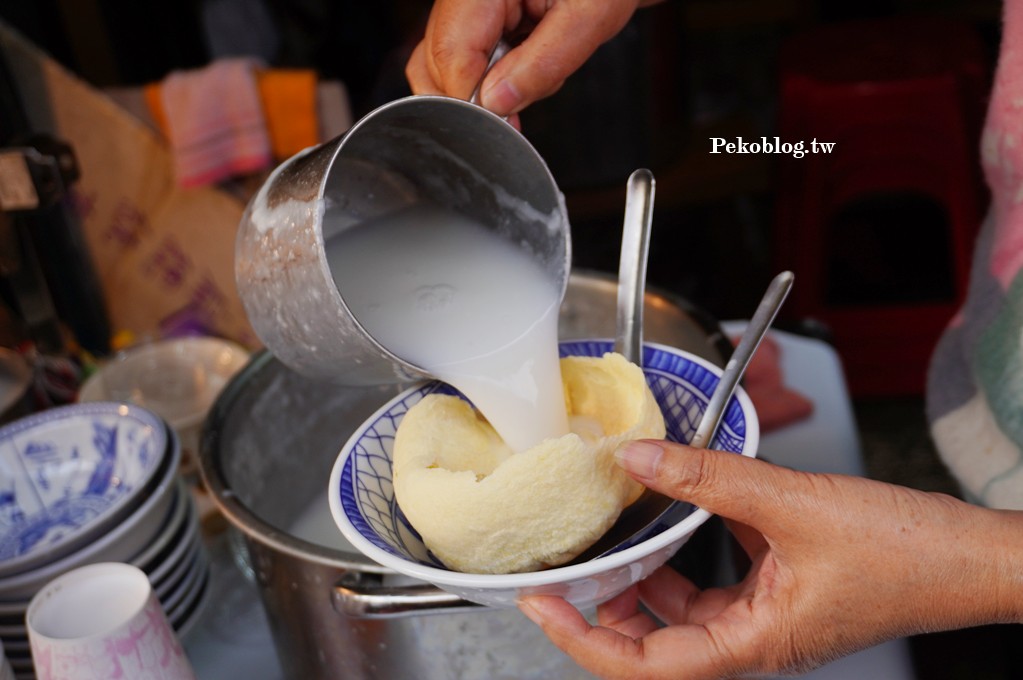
<point>153,94</point>
<point>289,104</point>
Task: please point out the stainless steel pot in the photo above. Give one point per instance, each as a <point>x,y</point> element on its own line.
<point>268,447</point>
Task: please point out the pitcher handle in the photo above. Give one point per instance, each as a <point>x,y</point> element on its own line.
<point>364,596</point>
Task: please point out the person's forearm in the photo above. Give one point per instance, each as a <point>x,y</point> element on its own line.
<point>990,569</point>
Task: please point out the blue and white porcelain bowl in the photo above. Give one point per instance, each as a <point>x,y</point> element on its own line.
<point>69,474</point>
<point>362,500</point>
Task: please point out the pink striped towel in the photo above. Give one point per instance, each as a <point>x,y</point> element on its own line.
<point>215,122</point>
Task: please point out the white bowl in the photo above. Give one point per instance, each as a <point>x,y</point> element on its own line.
<point>178,378</point>
<point>70,473</point>
<point>362,500</point>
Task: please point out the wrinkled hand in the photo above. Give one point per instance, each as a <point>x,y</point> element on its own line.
<point>461,35</point>
<point>838,564</point>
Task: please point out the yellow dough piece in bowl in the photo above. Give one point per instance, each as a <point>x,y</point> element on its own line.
<point>483,509</point>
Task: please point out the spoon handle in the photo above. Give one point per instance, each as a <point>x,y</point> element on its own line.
<point>639,208</point>
<point>744,351</point>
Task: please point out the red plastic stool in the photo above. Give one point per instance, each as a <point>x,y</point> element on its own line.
<point>879,230</point>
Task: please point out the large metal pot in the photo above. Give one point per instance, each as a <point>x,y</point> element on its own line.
<point>268,447</point>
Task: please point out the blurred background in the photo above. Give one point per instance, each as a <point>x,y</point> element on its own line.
<point>879,231</point>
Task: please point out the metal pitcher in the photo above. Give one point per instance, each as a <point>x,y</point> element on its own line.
<point>417,149</point>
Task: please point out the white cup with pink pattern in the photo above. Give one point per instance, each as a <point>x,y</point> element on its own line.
<point>103,621</point>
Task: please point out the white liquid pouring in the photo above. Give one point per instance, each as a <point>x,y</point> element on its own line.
<point>448,295</point>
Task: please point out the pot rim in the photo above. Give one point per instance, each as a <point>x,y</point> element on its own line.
<point>710,325</point>
<point>239,514</point>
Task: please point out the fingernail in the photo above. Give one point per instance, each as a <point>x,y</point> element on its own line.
<point>501,97</point>
<point>641,458</point>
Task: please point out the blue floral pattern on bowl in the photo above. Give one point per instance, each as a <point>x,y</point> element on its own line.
<point>66,471</point>
<point>681,383</point>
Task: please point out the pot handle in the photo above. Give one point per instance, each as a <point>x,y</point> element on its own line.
<point>364,596</point>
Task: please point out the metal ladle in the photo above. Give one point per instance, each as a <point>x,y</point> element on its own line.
<point>639,517</point>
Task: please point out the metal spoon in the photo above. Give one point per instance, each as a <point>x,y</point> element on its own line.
<point>639,210</point>
<point>639,517</point>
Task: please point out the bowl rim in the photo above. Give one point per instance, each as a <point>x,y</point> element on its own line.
<point>161,543</point>
<point>554,575</point>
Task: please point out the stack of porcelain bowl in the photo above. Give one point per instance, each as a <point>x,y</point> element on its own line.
<point>89,483</point>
